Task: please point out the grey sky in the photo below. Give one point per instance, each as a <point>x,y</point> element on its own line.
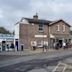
<point>12,10</point>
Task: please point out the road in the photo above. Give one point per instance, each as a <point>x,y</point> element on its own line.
<point>44,62</point>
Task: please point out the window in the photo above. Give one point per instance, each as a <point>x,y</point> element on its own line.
<point>32,23</point>
<point>63,28</point>
<point>58,28</point>
<point>40,27</point>
<point>40,44</point>
<point>33,43</point>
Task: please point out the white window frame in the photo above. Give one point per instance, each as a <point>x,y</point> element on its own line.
<point>33,43</point>
<point>58,29</point>
<point>63,28</point>
<point>42,27</point>
<point>40,44</point>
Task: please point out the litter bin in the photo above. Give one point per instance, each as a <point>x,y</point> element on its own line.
<point>22,47</point>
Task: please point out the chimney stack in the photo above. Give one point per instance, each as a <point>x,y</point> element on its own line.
<point>35,17</point>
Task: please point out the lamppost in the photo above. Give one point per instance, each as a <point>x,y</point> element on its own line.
<point>46,45</point>
<point>44,42</point>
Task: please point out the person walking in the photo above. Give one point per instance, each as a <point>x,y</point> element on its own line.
<point>64,45</point>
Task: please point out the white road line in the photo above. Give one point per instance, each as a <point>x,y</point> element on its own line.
<point>56,67</point>
<point>65,67</point>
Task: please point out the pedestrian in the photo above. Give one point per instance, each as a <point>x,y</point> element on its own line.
<point>8,47</point>
<point>44,48</point>
<point>54,45</point>
<point>12,46</point>
<point>57,46</point>
<point>64,45</point>
<point>0,48</point>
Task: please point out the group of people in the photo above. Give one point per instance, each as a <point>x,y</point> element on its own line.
<point>64,45</point>
<point>10,46</point>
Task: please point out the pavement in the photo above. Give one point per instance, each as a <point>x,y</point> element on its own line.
<point>4,56</point>
<point>25,52</point>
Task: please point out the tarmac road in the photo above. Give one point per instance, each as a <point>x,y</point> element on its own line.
<point>38,63</point>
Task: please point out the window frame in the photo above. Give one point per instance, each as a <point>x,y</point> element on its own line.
<point>58,28</point>
<point>63,28</point>
<point>41,28</point>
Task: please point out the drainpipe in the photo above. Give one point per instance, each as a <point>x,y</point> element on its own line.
<point>43,37</point>
<point>48,37</point>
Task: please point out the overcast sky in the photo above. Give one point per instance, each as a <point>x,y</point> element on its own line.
<point>13,10</point>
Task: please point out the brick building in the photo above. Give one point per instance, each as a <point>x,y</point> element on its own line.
<point>37,32</point>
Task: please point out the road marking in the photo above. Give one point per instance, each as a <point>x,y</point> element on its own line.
<point>62,66</point>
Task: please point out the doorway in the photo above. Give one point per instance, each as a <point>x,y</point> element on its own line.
<point>60,43</point>
<point>16,44</point>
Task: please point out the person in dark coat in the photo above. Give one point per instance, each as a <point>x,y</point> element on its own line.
<point>12,46</point>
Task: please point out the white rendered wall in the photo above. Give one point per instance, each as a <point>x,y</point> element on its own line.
<point>17,31</point>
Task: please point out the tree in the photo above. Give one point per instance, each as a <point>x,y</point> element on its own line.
<point>4,31</point>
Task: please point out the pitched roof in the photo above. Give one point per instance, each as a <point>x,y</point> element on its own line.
<point>40,21</point>
<point>54,22</point>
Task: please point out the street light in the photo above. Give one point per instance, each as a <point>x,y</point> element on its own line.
<point>46,45</point>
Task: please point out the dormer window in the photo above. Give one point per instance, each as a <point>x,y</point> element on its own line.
<point>63,28</point>
<point>58,29</point>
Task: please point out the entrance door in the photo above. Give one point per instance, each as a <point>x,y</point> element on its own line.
<point>16,44</point>
<point>60,43</point>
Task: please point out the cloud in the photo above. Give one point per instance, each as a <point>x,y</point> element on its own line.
<point>12,10</point>
<point>53,9</point>
<point>53,6</point>
<point>62,8</point>
<point>1,13</point>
